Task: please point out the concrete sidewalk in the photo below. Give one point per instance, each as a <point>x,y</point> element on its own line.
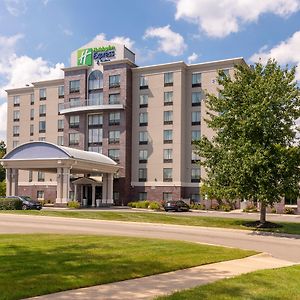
<point>167,283</point>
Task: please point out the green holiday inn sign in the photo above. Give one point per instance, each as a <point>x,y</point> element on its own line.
<point>85,57</point>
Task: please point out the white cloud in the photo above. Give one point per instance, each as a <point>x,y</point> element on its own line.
<point>3,118</point>
<point>219,18</point>
<point>101,36</point>
<point>286,52</point>
<point>128,42</point>
<point>169,41</point>
<point>15,7</point>
<point>192,58</point>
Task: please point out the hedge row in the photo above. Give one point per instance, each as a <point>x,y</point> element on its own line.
<point>10,204</point>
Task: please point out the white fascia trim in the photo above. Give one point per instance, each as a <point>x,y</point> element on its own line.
<point>161,183</point>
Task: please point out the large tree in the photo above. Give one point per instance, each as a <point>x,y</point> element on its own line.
<point>2,153</point>
<point>254,154</point>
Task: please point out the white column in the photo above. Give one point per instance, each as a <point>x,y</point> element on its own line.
<point>66,185</point>
<point>14,182</point>
<point>59,188</point>
<point>110,187</point>
<point>93,195</point>
<point>8,182</point>
<point>104,188</point>
<point>81,194</point>
<point>75,193</point>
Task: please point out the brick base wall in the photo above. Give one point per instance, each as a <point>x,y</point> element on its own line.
<point>31,191</point>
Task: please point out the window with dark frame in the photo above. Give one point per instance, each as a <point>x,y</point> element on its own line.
<point>143,138</point>
<point>143,101</point>
<point>168,98</point>
<point>196,98</point>
<point>168,155</point>
<point>196,118</point>
<point>142,196</point>
<point>143,118</point>
<point>196,80</point>
<point>142,174</point>
<point>16,115</point>
<point>74,121</point>
<point>114,118</point>
<point>195,176</point>
<point>168,136</point>
<point>74,86</point>
<point>143,82</point>
<point>42,126</point>
<point>114,137</point>
<point>114,81</point>
<point>16,101</point>
<point>60,125</point>
<point>168,79</point>
<point>143,156</point>
<point>167,174</point>
<point>42,110</point>
<point>168,117</point>
<point>16,130</point>
<point>114,154</point>
<point>73,139</point>
<point>61,91</point>
<point>43,94</point>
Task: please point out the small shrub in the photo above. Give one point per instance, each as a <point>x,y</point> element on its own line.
<point>289,211</point>
<point>225,207</point>
<point>154,205</point>
<point>10,204</point>
<point>273,210</point>
<point>197,206</point>
<point>73,204</point>
<point>142,204</point>
<point>132,204</point>
<point>250,208</point>
<point>215,206</point>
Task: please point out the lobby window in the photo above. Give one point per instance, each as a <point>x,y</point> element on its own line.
<point>42,126</point>
<point>16,101</point>
<point>168,136</point>
<point>116,196</point>
<point>142,174</point>
<point>74,121</point>
<point>114,118</point>
<point>196,98</point>
<point>74,86</point>
<point>142,196</point>
<point>16,130</point>
<point>195,176</point>
<point>114,81</point>
<point>31,99</point>
<point>143,137</point>
<point>96,80</point>
<point>168,117</point>
<point>143,101</point>
<point>168,155</point>
<point>40,194</point>
<point>143,117</point>
<point>167,174</point>
<point>195,158</point>
<point>143,82</point>
<point>195,198</point>
<point>60,140</point>
<point>41,176</point>
<point>114,99</point>
<point>168,79</point>
<point>42,110</point>
<point>143,156</point>
<point>61,91</point>
<point>60,125</point>
<point>16,115</point>
<point>32,114</point>
<point>43,94</point>
<point>30,176</point>
<point>95,120</point>
<point>195,117</point>
<point>74,102</point>
<point>167,196</point>
<point>73,139</point>
<point>168,98</point>
<point>114,137</point>
<point>95,136</point>
<point>31,130</point>
<point>196,135</point>
<point>15,144</point>
<point>61,106</point>
<point>196,80</point>
<point>114,154</point>
<point>95,98</point>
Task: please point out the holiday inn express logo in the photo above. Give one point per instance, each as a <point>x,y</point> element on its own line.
<point>86,56</point>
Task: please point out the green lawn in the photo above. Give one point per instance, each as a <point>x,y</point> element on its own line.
<point>287,227</point>
<point>278,284</point>
<point>40,264</point>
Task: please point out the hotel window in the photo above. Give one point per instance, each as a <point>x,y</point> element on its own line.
<point>114,137</point>
<point>74,121</point>
<point>16,115</point>
<point>40,194</point>
<point>42,110</point>
<point>74,86</point>
<point>114,81</point>
<point>143,101</point>
<point>74,102</point>
<point>42,139</point>
<point>61,106</point>
<point>195,117</point>
<point>114,154</point>
<point>167,196</point>
<point>114,118</point>
<point>142,174</point>
<point>168,79</point>
<point>95,137</point>
<point>61,91</point>
<point>143,137</point>
<point>41,176</point>
<point>114,99</point>
<point>196,135</point>
<point>97,149</point>
<point>226,72</point>
<point>43,95</point>
<point>60,125</point>
<point>143,82</point>
<point>116,196</point>
<point>142,196</point>
<point>16,130</point>
<point>168,155</point>
<point>195,158</point>
<point>196,80</point>
<point>31,99</point>
<point>60,140</point>
<point>168,98</point>
<point>30,176</point>
<point>195,198</point>
<point>15,144</point>
<point>42,126</point>
<point>168,136</point>
<point>16,100</point>
<point>73,139</point>
<point>195,177</point>
<point>167,174</point>
<point>31,129</point>
<point>143,117</point>
<point>32,114</point>
<point>196,98</point>
<point>168,117</point>
<point>95,120</point>
<point>143,156</point>
<point>95,98</point>
<point>96,80</point>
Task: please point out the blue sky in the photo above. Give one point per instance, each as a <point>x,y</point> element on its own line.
<point>37,36</point>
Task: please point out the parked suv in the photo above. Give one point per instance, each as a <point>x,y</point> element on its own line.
<point>176,205</point>
<point>27,202</point>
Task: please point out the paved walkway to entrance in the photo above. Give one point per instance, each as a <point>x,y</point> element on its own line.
<point>157,285</point>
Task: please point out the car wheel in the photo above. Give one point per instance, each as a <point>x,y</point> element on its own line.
<point>24,207</point>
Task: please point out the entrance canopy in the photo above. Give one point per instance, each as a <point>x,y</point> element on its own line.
<point>48,157</point>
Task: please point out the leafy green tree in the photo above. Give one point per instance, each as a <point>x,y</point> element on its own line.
<point>2,153</point>
<point>254,154</point>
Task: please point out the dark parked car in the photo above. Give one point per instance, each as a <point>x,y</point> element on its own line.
<point>177,205</point>
<point>28,203</point>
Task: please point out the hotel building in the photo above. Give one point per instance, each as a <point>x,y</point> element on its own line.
<point>142,117</point>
